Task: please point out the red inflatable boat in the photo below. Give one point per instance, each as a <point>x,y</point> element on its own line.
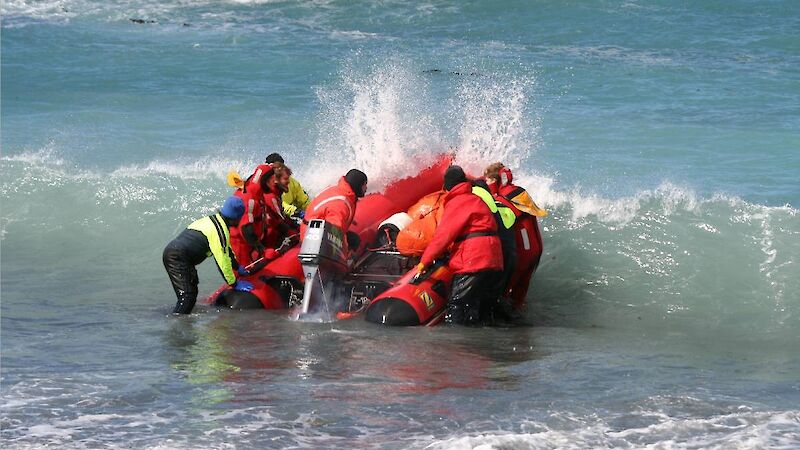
<point>318,281</point>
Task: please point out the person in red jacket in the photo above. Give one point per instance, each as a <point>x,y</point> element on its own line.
<point>246,238</point>
<point>337,204</point>
<point>528,238</point>
<point>257,234</point>
<point>476,257</point>
<point>280,228</point>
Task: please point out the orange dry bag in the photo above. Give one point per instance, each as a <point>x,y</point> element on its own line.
<point>415,237</point>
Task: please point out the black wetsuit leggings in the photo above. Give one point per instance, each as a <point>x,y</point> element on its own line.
<point>472,297</point>
<point>184,280</point>
<point>181,255</point>
<point>509,245</point>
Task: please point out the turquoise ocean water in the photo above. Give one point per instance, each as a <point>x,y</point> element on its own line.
<point>663,137</point>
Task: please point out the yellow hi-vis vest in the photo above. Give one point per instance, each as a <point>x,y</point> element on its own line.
<point>219,243</point>
<point>506,213</point>
<point>295,198</point>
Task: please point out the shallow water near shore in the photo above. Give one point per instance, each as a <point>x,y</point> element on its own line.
<point>663,139</point>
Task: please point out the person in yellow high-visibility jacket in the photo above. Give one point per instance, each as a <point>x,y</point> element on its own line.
<point>207,236</point>
<point>295,199</point>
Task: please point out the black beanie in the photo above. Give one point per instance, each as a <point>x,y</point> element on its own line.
<point>356,179</point>
<point>452,176</point>
<point>274,157</point>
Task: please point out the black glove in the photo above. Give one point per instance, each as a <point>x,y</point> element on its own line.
<point>353,240</point>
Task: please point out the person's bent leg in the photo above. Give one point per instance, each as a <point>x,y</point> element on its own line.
<point>489,290</point>
<point>183,277</point>
<point>463,306</point>
<point>510,257</point>
<point>519,288</point>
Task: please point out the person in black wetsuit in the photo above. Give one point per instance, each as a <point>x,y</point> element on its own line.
<point>204,237</point>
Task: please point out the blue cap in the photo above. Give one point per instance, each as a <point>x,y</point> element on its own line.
<point>233,208</point>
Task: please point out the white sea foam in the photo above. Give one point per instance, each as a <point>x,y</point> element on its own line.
<point>30,172</point>
<point>44,156</point>
<point>740,430</point>
<point>223,14</point>
<point>123,10</point>
<point>123,428</point>
<point>667,198</point>
<point>352,35</point>
<point>584,204</point>
<point>204,168</point>
<point>253,2</point>
<point>613,53</point>
<point>57,10</point>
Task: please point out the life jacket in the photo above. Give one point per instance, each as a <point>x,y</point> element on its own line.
<point>505,218</point>
<point>253,193</point>
<point>216,231</point>
<point>254,212</point>
<point>255,215</point>
<point>278,223</point>
<point>521,199</point>
<point>505,214</point>
<point>469,226</point>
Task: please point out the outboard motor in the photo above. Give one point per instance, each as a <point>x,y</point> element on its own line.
<point>323,258</point>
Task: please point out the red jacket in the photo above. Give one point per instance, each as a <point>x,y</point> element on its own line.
<point>470,227</point>
<point>336,204</point>
<point>507,189</point>
<point>259,211</point>
<point>275,218</point>
<point>253,215</point>
<point>253,197</point>
<point>253,210</point>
